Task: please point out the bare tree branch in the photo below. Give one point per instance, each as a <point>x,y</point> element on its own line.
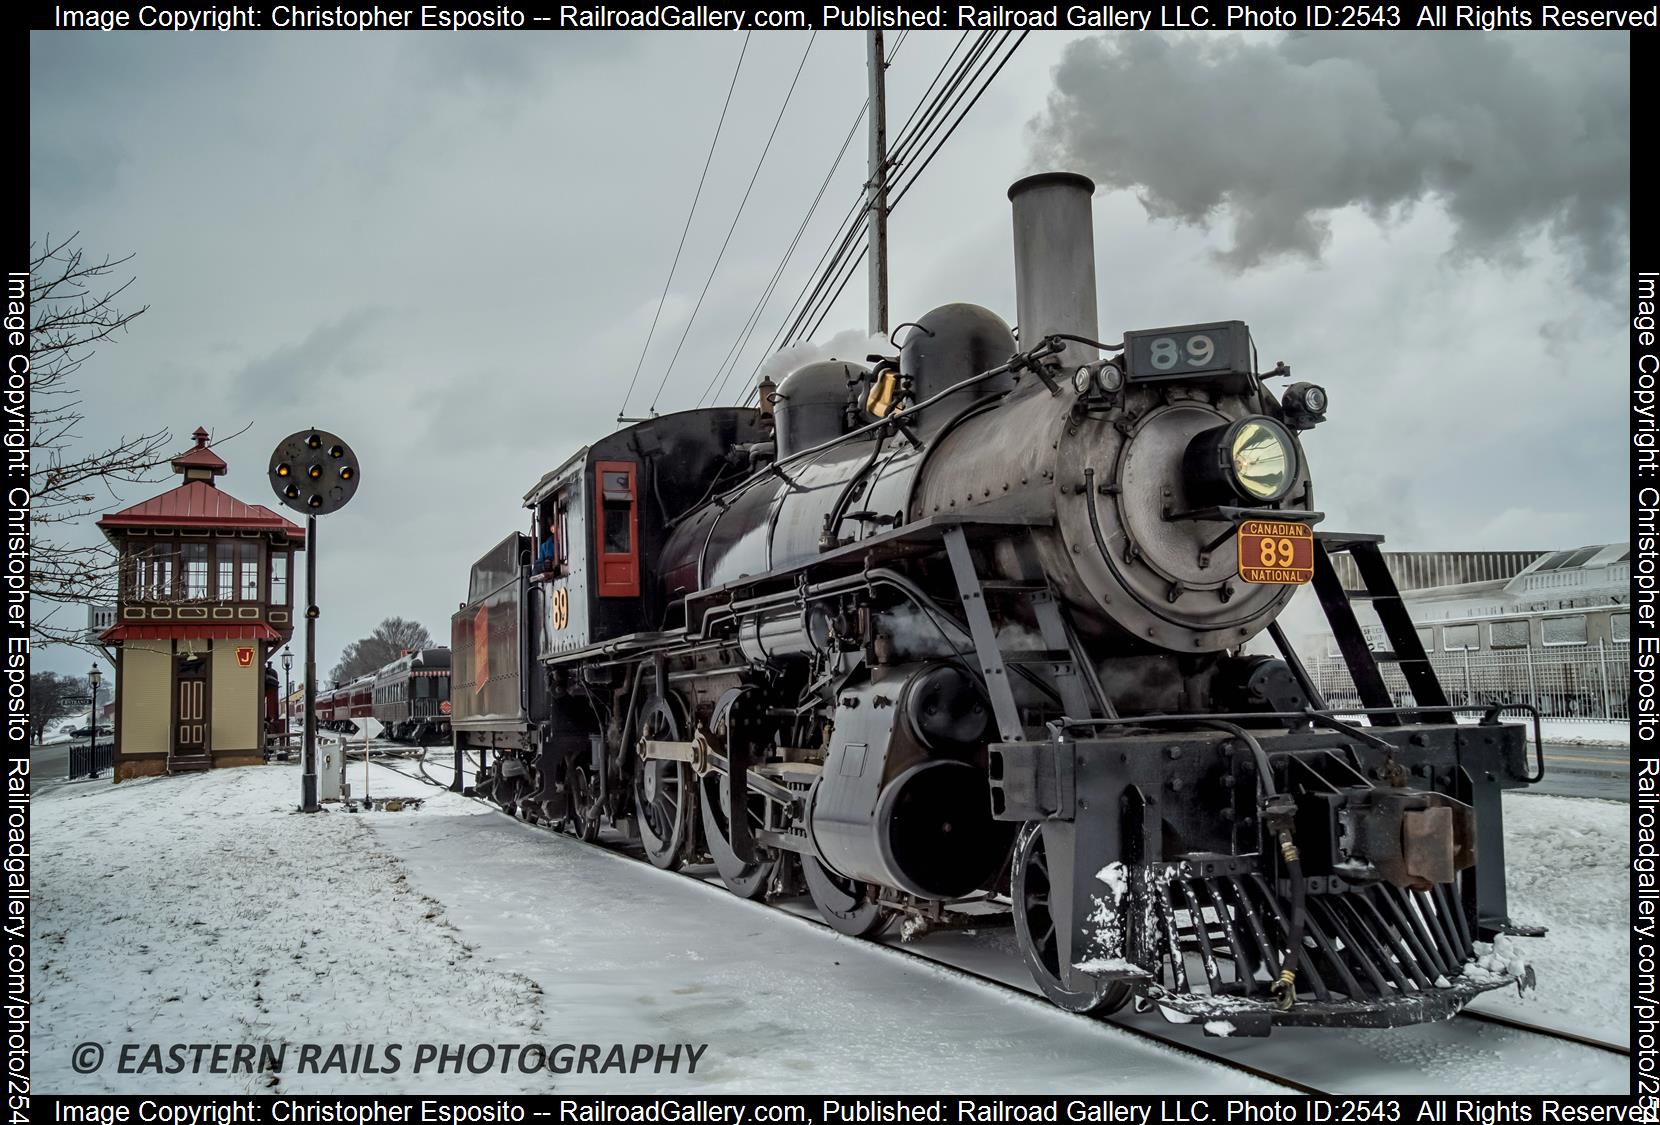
<point>72,309</point>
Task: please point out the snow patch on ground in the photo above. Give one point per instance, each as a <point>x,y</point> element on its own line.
<point>1579,732</point>
<point>1562,732</point>
<point>1568,862</point>
<point>205,909</point>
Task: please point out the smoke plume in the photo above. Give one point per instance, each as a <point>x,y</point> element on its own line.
<point>851,345</point>
<point>1512,136</point>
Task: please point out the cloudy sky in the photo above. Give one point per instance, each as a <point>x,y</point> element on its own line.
<point>448,248</point>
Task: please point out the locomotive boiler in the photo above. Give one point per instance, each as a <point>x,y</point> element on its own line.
<point>965,628</point>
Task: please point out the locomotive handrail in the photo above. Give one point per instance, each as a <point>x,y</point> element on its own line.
<point>1058,726</point>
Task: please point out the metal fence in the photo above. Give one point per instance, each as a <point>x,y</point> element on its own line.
<point>1570,682</point>
<point>89,761</point>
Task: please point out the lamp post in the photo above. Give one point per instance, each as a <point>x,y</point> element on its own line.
<point>287,695</point>
<point>97,678</point>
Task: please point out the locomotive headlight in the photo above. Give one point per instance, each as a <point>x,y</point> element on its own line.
<point>1261,459</point>
<point>1083,380</point>
<point>1254,458</point>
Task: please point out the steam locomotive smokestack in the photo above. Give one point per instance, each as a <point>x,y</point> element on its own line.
<point>1054,261</point>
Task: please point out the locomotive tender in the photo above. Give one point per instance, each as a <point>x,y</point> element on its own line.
<point>968,626</point>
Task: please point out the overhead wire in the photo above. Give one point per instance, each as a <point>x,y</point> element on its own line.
<point>904,183</point>
<point>934,119</point>
<point>923,122</point>
<point>984,86</point>
<point>841,265</point>
<point>845,233</point>
<point>697,195</point>
<point>765,149</point>
<point>747,329</point>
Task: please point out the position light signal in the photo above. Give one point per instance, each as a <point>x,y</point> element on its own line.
<point>307,480</point>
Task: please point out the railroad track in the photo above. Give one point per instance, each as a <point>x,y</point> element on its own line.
<point>941,965</point>
<point>1547,1032</point>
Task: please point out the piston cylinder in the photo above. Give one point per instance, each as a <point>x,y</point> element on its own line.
<point>892,811</point>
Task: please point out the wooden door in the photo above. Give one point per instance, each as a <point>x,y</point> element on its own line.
<point>190,706</point>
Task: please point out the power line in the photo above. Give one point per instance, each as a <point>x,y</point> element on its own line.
<point>912,176</point>
<point>921,135</point>
<point>986,85</point>
<point>730,362</point>
<point>928,109</point>
<point>857,214</point>
<point>741,204</point>
<point>803,307</point>
<point>698,194</point>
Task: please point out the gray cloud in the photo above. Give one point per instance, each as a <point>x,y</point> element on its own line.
<point>1279,134</point>
<point>329,353</point>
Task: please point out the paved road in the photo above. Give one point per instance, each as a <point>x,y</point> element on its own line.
<point>1587,771</point>
<point>51,763</point>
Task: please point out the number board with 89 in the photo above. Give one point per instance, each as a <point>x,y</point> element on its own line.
<point>1276,553</point>
<point>1189,351</point>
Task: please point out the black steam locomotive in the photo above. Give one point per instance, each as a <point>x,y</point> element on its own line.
<point>969,625</point>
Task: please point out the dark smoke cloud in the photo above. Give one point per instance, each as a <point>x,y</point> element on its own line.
<point>1511,136</point>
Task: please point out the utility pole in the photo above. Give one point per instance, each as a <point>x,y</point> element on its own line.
<point>876,232</point>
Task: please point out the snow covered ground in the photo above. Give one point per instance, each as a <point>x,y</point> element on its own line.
<point>202,908</point>
<point>1569,864</point>
<point>1583,732</point>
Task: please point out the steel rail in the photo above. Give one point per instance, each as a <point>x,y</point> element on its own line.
<point>1548,1032</point>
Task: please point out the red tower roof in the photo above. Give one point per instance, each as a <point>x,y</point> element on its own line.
<point>199,504</point>
<point>201,457</point>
